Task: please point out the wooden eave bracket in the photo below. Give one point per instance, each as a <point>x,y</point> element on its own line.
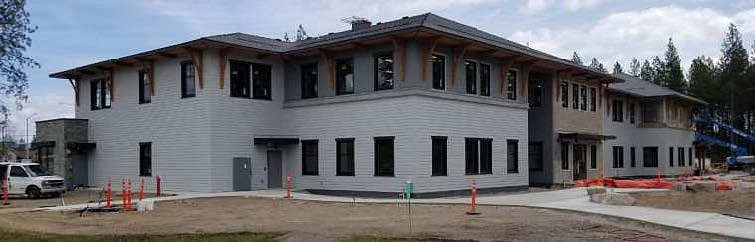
<point>149,66</point>
<point>327,59</point>
<point>110,78</point>
<point>74,84</point>
<point>506,64</point>
<point>223,61</point>
<point>526,68</point>
<point>459,53</point>
<point>427,53</point>
<point>196,59</point>
<point>399,45</point>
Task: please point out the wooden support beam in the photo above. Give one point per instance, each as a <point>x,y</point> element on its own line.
<point>196,59</point>
<point>525,73</point>
<point>149,67</point>
<point>75,85</point>
<point>489,52</point>
<point>223,61</point>
<point>459,53</point>
<point>123,63</point>
<point>561,75</point>
<point>400,48</point>
<point>110,79</point>
<point>505,66</point>
<point>360,45</point>
<point>168,55</point>
<point>427,53</point>
<point>327,59</point>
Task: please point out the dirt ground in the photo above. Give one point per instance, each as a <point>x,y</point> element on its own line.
<point>22,203</point>
<point>320,221</point>
<point>740,202</point>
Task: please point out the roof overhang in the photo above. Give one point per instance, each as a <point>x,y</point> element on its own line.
<point>80,147</point>
<point>37,145</point>
<point>578,136</point>
<point>275,141</point>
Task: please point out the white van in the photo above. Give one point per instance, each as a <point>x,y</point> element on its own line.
<point>30,179</point>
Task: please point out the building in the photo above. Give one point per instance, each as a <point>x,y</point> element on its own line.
<point>421,99</point>
<point>654,130</point>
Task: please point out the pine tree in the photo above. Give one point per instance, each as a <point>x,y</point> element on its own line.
<point>634,67</point>
<point>595,64</point>
<point>659,72</point>
<point>576,59</point>
<point>646,72</point>
<point>673,74</point>
<point>702,73</point>
<point>617,68</point>
<point>733,65</point>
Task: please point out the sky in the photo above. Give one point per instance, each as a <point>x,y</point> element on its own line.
<point>77,32</point>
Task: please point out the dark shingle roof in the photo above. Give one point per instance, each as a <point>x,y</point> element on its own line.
<point>637,87</point>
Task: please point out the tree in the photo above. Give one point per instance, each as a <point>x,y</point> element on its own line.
<point>634,67</point>
<point>617,68</point>
<point>15,29</point>
<point>595,64</point>
<point>646,72</point>
<point>673,74</point>
<point>659,72</point>
<point>733,65</point>
<point>576,59</point>
<point>701,79</point>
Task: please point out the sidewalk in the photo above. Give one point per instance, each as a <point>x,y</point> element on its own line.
<point>574,199</point>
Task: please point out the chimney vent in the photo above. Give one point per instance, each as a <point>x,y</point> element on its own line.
<point>358,23</point>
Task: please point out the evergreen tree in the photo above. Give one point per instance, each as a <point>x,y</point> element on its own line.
<point>634,67</point>
<point>617,68</point>
<point>595,64</point>
<point>733,66</point>
<point>659,72</point>
<point>15,29</point>
<point>673,74</point>
<point>702,73</point>
<point>646,72</point>
<point>576,59</point>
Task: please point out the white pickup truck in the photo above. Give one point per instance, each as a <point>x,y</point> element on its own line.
<point>30,179</point>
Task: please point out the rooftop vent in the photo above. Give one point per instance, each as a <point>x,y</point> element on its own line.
<point>357,23</point>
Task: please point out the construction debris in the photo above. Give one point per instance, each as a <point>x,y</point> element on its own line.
<point>613,198</point>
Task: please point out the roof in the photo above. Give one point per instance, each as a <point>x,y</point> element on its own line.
<point>635,86</point>
<point>406,24</point>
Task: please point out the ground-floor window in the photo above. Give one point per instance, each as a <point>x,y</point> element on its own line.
<point>46,157</point>
<point>145,159</point>
<point>535,155</point>
<point>593,156</point>
<point>440,155</point>
<point>690,155</point>
<point>681,156</point>
<point>650,156</point>
<point>671,156</point>
<point>345,157</point>
<point>309,157</point>
<point>512,156</point>
<point>632,157</point>
<point>565,155</point>
<point>384,156</point>
<point>478,156</point>
<point>618,157</point>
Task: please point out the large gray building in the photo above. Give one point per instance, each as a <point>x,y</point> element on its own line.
<point>421,98</point>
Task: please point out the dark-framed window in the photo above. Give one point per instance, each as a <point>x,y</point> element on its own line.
<point>384,163</point>
<point>188,83</point>
<point>438,63</point>
<point>240,78</point>
<point>145,159</point>
<point>440,155</point>
<point>564,94</point>
<point>512,156</point>
<point>484,79</point>
<point>262,81</point>
<point>535,156</point>
<point>512,78</point>
<point>344,76</point>
<point>535,90</point>
<point>486,156</point>
<point>671,156</point>
<point>565,155</point>
<point>472,156</point>
<point>345,157</point>
<point>680,153</point>
<point>310,157</point>
<point>650,156</point>
<point>618,157</point>
<point>309,80</point>
<point>471,76</point>
<point>99,96</point>
<point>144,91</point>
<point>631,113</point>
<point>583,97</point>
<point>689,152</point>
<point>384,71</point>
<point>575,95</point>
<point>618,110</point>
<point>593,156</point>
<point>632,156</point>
<point>593,99</point>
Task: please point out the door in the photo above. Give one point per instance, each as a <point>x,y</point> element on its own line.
<point>242,174</point>
<point>274,169</point>
<point>18,180</point>
<point>80,169</point>
<point>580,162</point>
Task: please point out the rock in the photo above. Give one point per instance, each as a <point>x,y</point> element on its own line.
<point>702,187</point>
<point>146,205</point>
<point>680,186</point>
<point>595,190</point>
<point>613,198</point>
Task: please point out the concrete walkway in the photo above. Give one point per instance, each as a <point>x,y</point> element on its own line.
<point>574,199</point>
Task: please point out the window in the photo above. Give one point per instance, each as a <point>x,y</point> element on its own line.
<point>535,90</point>
<point>486,156</point>
<point>145,159</point>
<point>144,91</point>
<point>384,71</point>
<point>671,156</point>
<point>565,94</point>
<point>440,155</point>
<point>309,80</point>
<point>618,111</point>
<point>309,157</point>
<point>593,99</point>
<point>649,112</point>
<point>479,156</point>
<point>632,157</point>
<point>188,85</point>
<point>511,84</point>
<point>261,81</point>
<point>681,156</point>
<point>593,156</point>
<point>384,156</point>
<point>535,155</point>
<point>484,79</point>
<point>345,157</point>
<point>512,156</point>
<point>575,94</point>
<point>689,152</point>
<point>631,113</point>
<point>99,94</point>
<point>439,72</point>
<point>583,98</point>
<point>618,157</point>
<point>565,155</point>
<point>650,156</point>
<point>17,171</point>
<point>471,72</point>
<point>472,156</point>
<point>345,76</point>
<point>240,76</point>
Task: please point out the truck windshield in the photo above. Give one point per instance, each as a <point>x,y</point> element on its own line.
<point>36,170</point>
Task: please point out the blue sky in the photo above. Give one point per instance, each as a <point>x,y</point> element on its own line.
<point>77,32</point>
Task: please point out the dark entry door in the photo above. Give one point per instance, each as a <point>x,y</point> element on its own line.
<point>242,174</point>
<point>274,169</point>
<point>580,162</point>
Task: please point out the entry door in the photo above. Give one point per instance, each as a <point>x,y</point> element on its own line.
<point>242,174</point>
<point>580,162</point>
<point>274,169</point>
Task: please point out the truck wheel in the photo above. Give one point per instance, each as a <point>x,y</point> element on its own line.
<point>33,192</point>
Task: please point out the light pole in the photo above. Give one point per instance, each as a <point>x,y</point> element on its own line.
<point>28,142</point>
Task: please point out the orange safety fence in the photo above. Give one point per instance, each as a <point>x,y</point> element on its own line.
<point>650,183</point>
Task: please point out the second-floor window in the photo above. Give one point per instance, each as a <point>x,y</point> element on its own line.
<point>145,96</point>
<point>344,76</point>
<point>565,94</point>
<point>535,90</point>
<point>188,87</point>
<point>593,99</point>
<point>631,113</point>
<point>575,95</point>
<point>261,80</point>
<point>511,84</point>
<point>309,80</point>
<point>99,94</point>
<point>471,74</point>
<point>439,72</point>
<point>484,79</point>
<point>384,71</point>
<point>240,76</point>
<point>583,98</point>
<point>618,111</point>
<point>649,112</point>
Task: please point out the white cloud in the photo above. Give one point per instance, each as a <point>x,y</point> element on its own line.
<point>50,106</point>
<point>574,5</point>
<point>537,6</point>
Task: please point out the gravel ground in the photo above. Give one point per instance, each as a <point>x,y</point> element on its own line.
<point>740,202</point>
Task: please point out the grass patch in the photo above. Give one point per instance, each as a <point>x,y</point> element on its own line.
<point>203,237</point>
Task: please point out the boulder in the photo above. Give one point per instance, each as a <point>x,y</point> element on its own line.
<point>146,205</point>
<point>613,198</point>
<point>702,187</point>
<point>680,186</point>
<point>595,190</point>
